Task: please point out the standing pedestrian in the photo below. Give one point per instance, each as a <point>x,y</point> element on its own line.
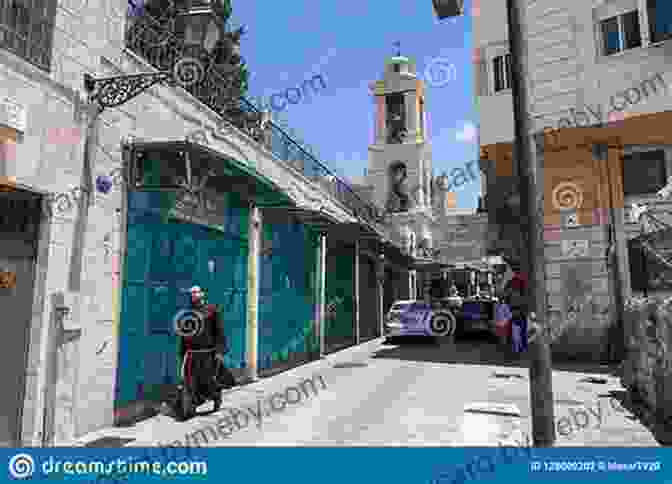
<point>516,289</point>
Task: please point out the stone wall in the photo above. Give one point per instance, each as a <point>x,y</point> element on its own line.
<point>647,368</point>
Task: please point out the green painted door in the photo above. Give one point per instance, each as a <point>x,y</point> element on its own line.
<point>369,326</point>
<point>286,295</point>
<point>339,309</point>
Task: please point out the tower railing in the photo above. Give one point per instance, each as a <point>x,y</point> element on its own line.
<point>156,43</point>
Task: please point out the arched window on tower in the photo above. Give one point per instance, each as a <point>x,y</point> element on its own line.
<point>396,118</point>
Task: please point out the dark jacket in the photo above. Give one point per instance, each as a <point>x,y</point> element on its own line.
<point>212,335</point>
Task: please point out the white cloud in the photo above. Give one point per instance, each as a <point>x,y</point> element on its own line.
<point>468,134</point>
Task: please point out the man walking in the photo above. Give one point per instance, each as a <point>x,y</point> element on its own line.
<point>202,370</point>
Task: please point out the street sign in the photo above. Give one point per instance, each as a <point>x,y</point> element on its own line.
<point>575,248</point>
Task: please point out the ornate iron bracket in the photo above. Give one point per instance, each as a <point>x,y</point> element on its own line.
<point>110,92</point>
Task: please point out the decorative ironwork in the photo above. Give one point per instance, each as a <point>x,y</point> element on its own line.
<point>111,92</point>
<point>221,89</point>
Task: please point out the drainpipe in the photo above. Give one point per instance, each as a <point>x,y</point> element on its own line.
<point>617,252</point>
<point>48,385</point>
<point>356,298</point>
<point>322,292</point>
<point>252,334</point>
<point>380,276</point>
<point>87,196</point>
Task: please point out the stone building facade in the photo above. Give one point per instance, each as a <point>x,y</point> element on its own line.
<point>599,101</point>
<point>62,260</point>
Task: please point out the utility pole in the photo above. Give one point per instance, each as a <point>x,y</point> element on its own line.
<point>532,221</point>
<point>531,190</point>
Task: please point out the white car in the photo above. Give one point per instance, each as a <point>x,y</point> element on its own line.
<point>418,318</point>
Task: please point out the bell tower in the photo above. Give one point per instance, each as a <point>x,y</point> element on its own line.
<point>400,167</point>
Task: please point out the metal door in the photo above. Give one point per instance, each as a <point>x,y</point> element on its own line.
<point>16,308</point>
<point>286,295</point>
<point>164,258</point>
<point>19,226</point>
<point>369,326</point>
<point>339,310</point>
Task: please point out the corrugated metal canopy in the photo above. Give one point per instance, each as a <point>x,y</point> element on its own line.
<point>238,177</point>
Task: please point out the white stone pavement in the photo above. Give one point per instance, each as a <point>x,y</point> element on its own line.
<point>381,395</point>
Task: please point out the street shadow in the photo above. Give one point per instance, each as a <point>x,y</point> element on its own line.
<point>477,349</point>
<point>466,350</point>
<point>660,430</point>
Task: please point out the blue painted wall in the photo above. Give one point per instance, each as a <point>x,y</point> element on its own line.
<point>164,258</point>
<point>286,293</point>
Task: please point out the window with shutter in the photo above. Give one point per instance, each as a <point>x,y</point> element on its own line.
<point>620,33</point>
<point>502,72</point>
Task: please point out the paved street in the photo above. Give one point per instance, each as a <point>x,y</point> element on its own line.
<point>459,394</point>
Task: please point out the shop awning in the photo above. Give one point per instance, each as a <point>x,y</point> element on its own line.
<point>315,218</point>
<point>224,173</point>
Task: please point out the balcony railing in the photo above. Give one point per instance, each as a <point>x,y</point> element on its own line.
<point>155,42</point>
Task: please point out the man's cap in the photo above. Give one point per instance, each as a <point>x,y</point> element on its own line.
<point>195,289</point>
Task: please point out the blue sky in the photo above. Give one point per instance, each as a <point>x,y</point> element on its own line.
<point>348,42</point>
